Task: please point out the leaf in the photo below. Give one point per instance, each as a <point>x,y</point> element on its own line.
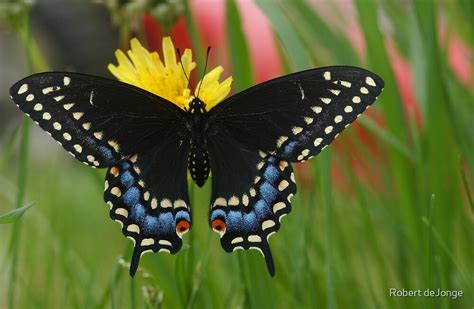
<point>14,215</point>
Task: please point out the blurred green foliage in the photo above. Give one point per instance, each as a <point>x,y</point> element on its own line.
<point>338,248</point>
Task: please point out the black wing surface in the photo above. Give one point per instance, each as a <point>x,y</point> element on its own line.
<point>99,121</point>
<point>295,116</point>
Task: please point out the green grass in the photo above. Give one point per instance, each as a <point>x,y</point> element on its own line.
<point>343,245</point>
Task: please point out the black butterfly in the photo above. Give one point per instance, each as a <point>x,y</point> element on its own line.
<point>148,144</point>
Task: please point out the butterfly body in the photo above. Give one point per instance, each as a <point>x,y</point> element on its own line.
<point>148,145</point>
<point>198,162</point>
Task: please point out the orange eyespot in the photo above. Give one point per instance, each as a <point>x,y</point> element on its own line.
<point>182,227</point>
<point>218,225</point>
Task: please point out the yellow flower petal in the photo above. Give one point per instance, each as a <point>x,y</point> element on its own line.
<point>167,80</point>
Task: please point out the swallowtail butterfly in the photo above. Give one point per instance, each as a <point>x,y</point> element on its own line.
<point>148,145</point>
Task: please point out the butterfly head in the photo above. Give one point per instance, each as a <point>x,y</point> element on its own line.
<point>197,106</point>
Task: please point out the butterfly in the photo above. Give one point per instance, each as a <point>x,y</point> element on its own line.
<point>148,145</point>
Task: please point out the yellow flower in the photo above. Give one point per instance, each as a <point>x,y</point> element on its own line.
<point>167,80</point>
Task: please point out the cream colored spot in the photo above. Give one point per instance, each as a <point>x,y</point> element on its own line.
<point>364,90</point>
<point>86,125</point>
<point>338,119</point>
<point>356,99</point>
<point>325,100</point>
<point>283,185</point>
<point>260,165</point>
<point>133,158</point>
<point>133,228</point>
<point>236,240</point>
<point>57,126</point>
<point>98,135</point>
<point>300,157</point>
<point>296,130</point>
<point>164,250</point>
<point>114,145</point>
<point>59,98</point>
<point>96,163</point>
<point>348,109</point>
<point>91,159</point>
<point>122,211</point>
<point>316,109</point>
<point>278,206</point>
<point>67,136</point>
<point>116,191</point>
<point>335,91</point>
<point>254,238</point>
<point>147,242</point>
<point>370,81</point>
<point>66,80</point>
<point>46,116</point>
<point>78,148</point>
<point>23,89</point>
<point>346,84</point>
<point>245,199</point>
<point>179,203</point>
<point>220,201</point>
<point>146,196</point>
<point>154,203</point>
<point>292,177</point>
<point>49,89</point>
<point>30,97</point>
<point>166,203</point>
<point>252,192</point>
<point>233,201</point>
<point>290,196</point>
<point>308,120</point>
<point>77,115</point>
<point>328,129</point>
<point>38,107</point>
<point>327,75</point>
<point>281,140</point>
<point>257,179</point>
<point>68,106</point>
<point>164,242</point>
<point>267,224</point>
<point>238,248</point>
<point>261,154</point>
<point>305,152</point>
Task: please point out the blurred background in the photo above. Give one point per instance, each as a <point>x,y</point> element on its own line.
<point>388,205</point>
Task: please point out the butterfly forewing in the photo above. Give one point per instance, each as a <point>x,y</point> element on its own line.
<point>295,116</point>
<point>99,121</point>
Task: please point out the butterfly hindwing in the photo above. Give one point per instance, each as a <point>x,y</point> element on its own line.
<point>295,116</point>
<point>251,192</point>
<point>97,120</point>
<point>148,195</point>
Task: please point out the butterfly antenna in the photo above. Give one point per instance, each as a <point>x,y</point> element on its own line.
<point>204,73</point>
<point>182,67</point>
